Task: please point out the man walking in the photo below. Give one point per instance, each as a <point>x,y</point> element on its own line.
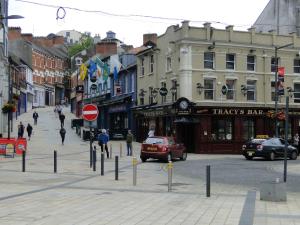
<point>129,139</point>
<point>62,119</point>
<point>102,141</point>
<point>29,130</point>
<point>35,117</point>
<point>20,130</point>
<point>62,133</point>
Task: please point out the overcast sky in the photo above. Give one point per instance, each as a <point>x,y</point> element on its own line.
<point>41,20</point>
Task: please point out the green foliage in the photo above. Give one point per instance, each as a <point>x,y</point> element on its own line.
<point>86,42</point>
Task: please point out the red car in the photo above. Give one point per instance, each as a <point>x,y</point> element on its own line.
<point>163,148</point>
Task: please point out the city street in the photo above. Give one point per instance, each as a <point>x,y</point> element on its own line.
<point>78,195</point>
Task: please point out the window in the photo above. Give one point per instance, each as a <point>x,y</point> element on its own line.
<point>248,129</point>
<point>273,64</point>
<point>151,64</point>
<point>230,61</point>
<point>143,67</point>
<point>296,65</point>
<point>251,90</point>
<point>174,90</point>
<point>209,89</point>
<point>222,129</point>
<point>169,64</point>
<point>251,63</point>
<point>231,89</point>
<point>150,95</point>
<point>68,34</point>
<point>273,91</point>
<point>209,60</point>
<point>297,92</point>
<point>163,98</point>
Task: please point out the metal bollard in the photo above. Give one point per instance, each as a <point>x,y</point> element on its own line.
<point>116,167</point>
<point>110,151</point>
<point>120,149</point>
<point>23,161</point>
<point>94,158</point>
<point>134,164</point>
<point>102,163</point>
<point>91,157</point>
<point>208,181</point>
<point>55,161</point>
<point>170,171</point>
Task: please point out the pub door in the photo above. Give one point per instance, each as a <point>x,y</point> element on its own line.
<point>186,135</point>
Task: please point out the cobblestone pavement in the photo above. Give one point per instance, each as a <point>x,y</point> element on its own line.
<point>77,195</point>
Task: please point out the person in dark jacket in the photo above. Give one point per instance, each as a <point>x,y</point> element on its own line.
<point>62,119</point>
<point>62,133</point>
<point>20,130</point>
<point>29,131</point>
<point>103,140</point>
<point>35,117</point>
<point>129,139</point>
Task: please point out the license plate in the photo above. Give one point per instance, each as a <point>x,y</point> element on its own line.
<point>250,153</point>
<point>152,149</point>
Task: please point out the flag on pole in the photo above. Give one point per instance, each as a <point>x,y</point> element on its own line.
<point>114,62</point>
<point>83,71</point>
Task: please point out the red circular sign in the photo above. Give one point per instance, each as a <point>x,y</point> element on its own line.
<point>90,112</point>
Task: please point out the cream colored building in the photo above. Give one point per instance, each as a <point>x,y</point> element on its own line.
<point>198,63</point>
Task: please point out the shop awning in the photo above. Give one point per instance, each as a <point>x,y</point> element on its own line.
<point>186,120</point>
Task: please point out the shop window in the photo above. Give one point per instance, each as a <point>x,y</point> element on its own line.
<point>251,90</point>
<point>163,98</point>
<point>222,129</point>
<point>230,61</point>
<point>297,92</point>
<point>296,65</point>
<point>209,89</point>
<point>248,129</point>
<point>250,62</point>
<point>273,64</point>
<point>281,127</point>
<point>273,91</point>
<point>209,60</point>
<point>231,89</point>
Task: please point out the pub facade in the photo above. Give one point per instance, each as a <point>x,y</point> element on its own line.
<point>215,89</point>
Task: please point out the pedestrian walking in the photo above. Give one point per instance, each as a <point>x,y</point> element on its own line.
<point>29,131</point>
<point>296,141</point>
<point>103,140</point>
<point>20,130</point>
<point>59,110</point>
<point>62,119</point>
<point>129,139</point>
<point>151,132</point>
<point>62,133</point>
<point>35,117</point>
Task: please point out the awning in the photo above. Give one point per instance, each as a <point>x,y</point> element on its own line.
<point>186,120</point>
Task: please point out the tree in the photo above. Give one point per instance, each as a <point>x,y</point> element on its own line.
<point>86,42</point>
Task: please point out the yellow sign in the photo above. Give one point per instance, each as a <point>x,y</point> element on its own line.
<point>262,136</point>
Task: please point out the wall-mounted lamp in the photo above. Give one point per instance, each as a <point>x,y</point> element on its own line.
<point>252,50</point>
<point>244,89</point>
<point>212,46</point>
<point>199,88</point>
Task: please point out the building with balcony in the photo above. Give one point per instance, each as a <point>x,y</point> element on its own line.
<point>214,89</point>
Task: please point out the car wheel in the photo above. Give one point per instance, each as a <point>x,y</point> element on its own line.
<point>184,156</point>
<point>249,157</point>
<point>271,156</point>
<point>143,159</point>
<point>293,155</point>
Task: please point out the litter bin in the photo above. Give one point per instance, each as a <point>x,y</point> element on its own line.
<point>273,191</point>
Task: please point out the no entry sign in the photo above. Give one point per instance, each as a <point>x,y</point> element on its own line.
<point>90,112</point>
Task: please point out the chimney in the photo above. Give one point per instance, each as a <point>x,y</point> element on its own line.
<point>150,37</point>
<point>58,40</point>
<point>14,33</point>
<point>27,37</point>
<point>106,48</point>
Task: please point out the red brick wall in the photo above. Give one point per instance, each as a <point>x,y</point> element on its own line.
<point>14,33</point>
<point>106,48</point>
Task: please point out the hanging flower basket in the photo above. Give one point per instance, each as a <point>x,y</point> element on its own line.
<point>8,107</point>
<point>16,96</point>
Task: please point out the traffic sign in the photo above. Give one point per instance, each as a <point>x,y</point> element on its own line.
<point>90,112</point>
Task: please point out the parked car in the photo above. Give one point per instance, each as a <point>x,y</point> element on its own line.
<point>163,148</point>
<point>268,148</point>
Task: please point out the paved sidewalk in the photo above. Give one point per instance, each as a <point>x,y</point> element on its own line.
<point>77,195</point>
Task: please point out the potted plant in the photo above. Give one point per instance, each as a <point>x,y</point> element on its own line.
<point>8,107</point>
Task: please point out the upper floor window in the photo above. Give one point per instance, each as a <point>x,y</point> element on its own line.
<point>250,62</point>
<point>68,34</point>
<point>273,91</point>
<point>230,61</point>
<point>273,64</point>
<point>163,98</point>
<point>231,89</point>
<point>297,92</point>
<point>169,64</point>
<point>209,89</point>
<point>296,65</point>
<point>151,64</point>
<point>251,90</point>
<point>143,66</point>
<point>209,60</point>
<point>174,90</point>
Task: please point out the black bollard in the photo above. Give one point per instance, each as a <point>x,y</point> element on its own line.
<point>55,161</point>
<point>102,163</point>
<point>116,167</point>
<point>23,161</point>
<point>94,159</point>
<point>91,157</point>
<point>208,181</point>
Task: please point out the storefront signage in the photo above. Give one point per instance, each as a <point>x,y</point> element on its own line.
<point>237,111</point>
<point>117,108</point>
<point>153,113</point>
<point>163,91</point>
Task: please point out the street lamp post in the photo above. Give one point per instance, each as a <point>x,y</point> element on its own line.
<point>276,85</point>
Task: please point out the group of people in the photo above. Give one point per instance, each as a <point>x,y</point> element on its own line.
<point>29,128</point>
<point>62,118</point>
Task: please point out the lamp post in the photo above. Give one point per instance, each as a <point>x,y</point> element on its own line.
<point>276,86</point>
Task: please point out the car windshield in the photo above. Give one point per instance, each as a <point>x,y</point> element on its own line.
<point>154,140</point>
<point>257,141</point>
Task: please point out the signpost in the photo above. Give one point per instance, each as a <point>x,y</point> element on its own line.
<point>90,113</point>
